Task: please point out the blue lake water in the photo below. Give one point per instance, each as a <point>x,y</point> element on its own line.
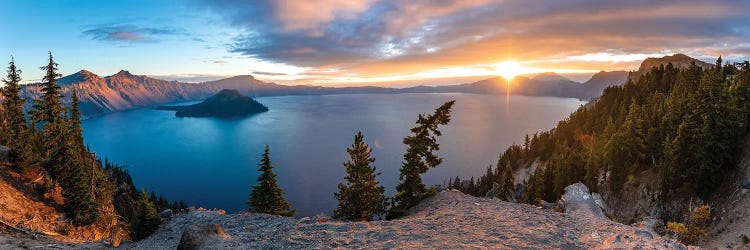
<point>213,162</point>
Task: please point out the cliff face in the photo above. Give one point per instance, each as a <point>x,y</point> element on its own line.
<point>120,91</point>
<point>679,61</point>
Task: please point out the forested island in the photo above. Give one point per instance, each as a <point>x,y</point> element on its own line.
<point>227,103</point>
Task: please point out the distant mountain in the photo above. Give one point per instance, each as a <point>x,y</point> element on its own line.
<point>121,91</point>
<point>547,85</point>
<point>124,90</point>
<point>227,103</point>
<point>549,76</point>
<point>600,81</point>
<point>680,61</point>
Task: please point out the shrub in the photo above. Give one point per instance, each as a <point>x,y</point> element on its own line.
<point>689,233</point>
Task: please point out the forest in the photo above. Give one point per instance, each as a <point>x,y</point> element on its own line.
<point>685,125</point>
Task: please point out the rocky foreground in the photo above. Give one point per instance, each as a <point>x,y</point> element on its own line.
<point>450,220</point>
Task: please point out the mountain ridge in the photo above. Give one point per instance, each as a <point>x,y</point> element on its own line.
<point>124,90</point>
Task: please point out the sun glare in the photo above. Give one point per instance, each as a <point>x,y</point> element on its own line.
<point>508,69</point>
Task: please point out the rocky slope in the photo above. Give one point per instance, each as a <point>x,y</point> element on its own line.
<point>449,220</point>
<point>31,217</point>
<point>730,225</point>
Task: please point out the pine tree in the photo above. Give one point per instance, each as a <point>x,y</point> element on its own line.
<point>76,132</point>
<point>266,196</point>
<point>420,156</point>
<point>14,132</point>
<point>626,148</point>
<point>535,186</point>
<point>62,157</point>
<point>741,91</point>
<point>11,116</point>
<point>362,197</point>
<point>717,122</point>
<point>146,220</point>
<point>79,203</point>
<point>507,189</point>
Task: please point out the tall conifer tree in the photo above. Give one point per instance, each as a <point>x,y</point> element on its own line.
<point>266,196</point>
<point>146,219</point>
<point>63,157</point>
<point>15,134</point>
<point>420,156</point>
<point>362,197</point>
<point>507,190</point>
<point>11,116</point>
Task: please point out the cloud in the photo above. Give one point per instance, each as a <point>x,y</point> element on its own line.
<point>390,37</point>
<point>191,78</point>
<point>269,73</point>
<point>219,62</point>
<point>128,33</point>
<point>296,15</point>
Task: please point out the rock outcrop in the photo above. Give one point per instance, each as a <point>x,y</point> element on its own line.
<point>449,220</point>
<point>578,200</point>
<point>4,154</point>
<point>679,61</point>
<point>166,214</point>
<point>198,236</point>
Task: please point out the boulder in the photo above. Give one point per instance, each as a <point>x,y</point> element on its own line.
<point>167,213</point>
<point>746,184</point>
<point>546,205</point>
<point>651,224</point>
<point>577,199</point>
<point>4,154</point>
<point>195,236</point>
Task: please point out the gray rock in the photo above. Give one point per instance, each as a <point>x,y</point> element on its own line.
<point>599,202</point>
<point>494,192</point>
<point>547,205</point>
<point>167,213</point>
<point>195,235</point>
<point>645,234</point>
<point>4,154</point>
<point>578,198</point>
<point>650,224</point>
<point>746,184</point>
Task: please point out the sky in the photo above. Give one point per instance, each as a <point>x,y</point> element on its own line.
<point>369,42</point>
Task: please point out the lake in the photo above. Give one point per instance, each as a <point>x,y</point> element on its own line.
<point>213,162</point>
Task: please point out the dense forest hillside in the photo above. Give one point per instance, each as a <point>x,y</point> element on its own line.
<point>657,147</point>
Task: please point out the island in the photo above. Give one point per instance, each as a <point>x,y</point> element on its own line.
<point>228,103</point>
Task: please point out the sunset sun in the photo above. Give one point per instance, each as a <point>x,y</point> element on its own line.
<point>508,69</point>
